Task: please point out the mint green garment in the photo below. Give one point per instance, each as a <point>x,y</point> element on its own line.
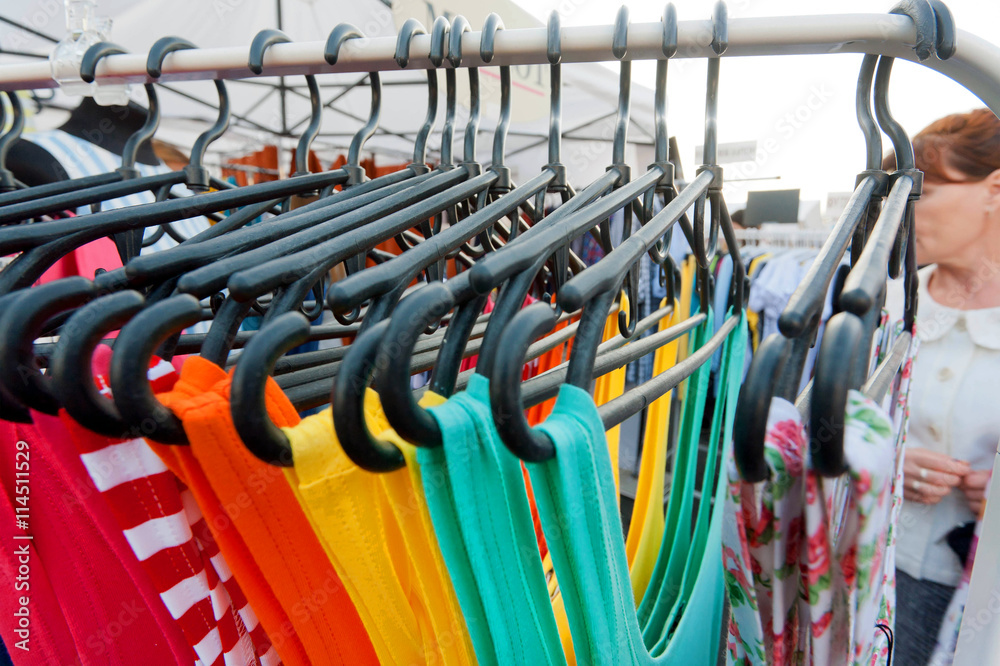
<point>662,594</point>
<point>723,418</point>
<point>441,505</point>
<point>483,522</point>
<point>576,502</point>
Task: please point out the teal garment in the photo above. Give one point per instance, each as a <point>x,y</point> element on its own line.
<point>708,527</point>
<point>665,584</point>
<point>488,511</point>
<point>576,502</point>
<point>441,505</point>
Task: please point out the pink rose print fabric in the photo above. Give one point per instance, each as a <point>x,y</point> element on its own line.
<point>809,562</point>
<point>763,545</point>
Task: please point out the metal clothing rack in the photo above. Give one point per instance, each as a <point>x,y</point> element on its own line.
<point>793,237</point>
<point>975,65</point>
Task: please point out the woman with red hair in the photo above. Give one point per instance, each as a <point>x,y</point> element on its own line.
<point>954,410</point>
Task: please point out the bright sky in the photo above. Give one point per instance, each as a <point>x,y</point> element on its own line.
<point>824,151</point>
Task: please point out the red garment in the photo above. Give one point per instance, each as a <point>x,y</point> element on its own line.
<point>112,611</point>
<point>166,530</point>
<point>530,368</point>
<point>48,638</point>
<point>160,519</point>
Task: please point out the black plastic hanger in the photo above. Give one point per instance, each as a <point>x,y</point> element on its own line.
<point>594,290</point>
<point>128,376</point>
<point>863,295</point>
<point>307,233</point>
<point>231,313</point>
<point>8,184</point>
<point>175,260</point>
<point>128,182</point>
<point>295,273</point>
<point>20,324</point>
<point>525,256</point>
<point>197,176</point>
<point>134,346</point>
<point>890,246</point>
<point>70,364</point>
<point>388,280</point>
<point>784,356</point>
<point>304,268</point>
<point>595,287</point>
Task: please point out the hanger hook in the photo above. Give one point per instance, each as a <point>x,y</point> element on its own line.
<point>704,247</point>
<point>669,48</point>
<point>619,48</point>
<point>71,361</point>
<point>348,398</point>
<point>7,182</point>
<point>134,347</point>
<point>900,141</point>
<point>753,407</point>
<point>264,40</point>
<point>525,442</point>
<point>21,324</point>
<point>440,49</point>
<point>486,50</point>
<point>88,68</point>
<point>410,28</point>
<point>331,53</point>
<point>945,31</point>
<point>459,26</point>
<point>925,22</point>
<point>720,28</point>
<point>873,137</point>
<point>553,51</point>
<point>247,397</point>
<point>487,38</point>
<point>198,177</point>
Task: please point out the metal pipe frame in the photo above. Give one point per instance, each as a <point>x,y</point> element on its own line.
<point>975,65</point>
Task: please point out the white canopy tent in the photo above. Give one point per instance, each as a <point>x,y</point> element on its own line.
<point>271,110</point>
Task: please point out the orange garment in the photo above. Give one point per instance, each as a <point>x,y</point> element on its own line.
<point>546,362</point>
<point>266,158</point>
<point>277,558</point>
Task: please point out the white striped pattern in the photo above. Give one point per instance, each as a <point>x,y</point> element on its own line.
<point>121,463</point>
<point>157,534</point>
<point>210,646</point>
<point>185,594</point>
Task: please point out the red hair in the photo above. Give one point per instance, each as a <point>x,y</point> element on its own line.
<point>966,142</point>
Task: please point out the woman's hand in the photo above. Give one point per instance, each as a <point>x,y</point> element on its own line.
<point>928,475</point>
<point>974,486</point>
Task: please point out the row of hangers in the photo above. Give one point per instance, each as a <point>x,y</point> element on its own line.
<point>878,226</point>
<point>278,269</point>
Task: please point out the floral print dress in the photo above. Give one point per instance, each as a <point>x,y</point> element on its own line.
<point>809,564</point>
<point>762,544</point>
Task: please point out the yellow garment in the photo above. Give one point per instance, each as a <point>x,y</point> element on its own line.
<point>377,532</point>
<point>753,318</point>
<point>688,272</point>
<point>610,386</point>
<point>646,526</point>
